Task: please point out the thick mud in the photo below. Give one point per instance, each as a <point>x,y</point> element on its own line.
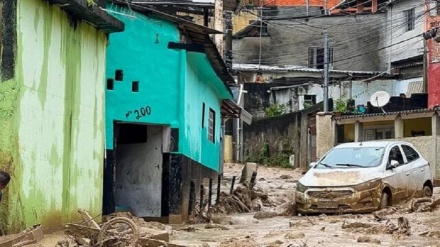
<point>274,223</point>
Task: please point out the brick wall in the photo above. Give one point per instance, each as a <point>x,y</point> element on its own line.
<point>433,66</point>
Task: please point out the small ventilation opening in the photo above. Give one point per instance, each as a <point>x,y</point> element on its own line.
<point>110,84</point>
<point>135,86</point>
<point>119,75</point>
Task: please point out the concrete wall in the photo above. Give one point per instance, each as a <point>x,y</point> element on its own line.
<point>397,32</point>
<point>273,140</point>
<point>288,42</point>
<point>325,134</point>
<point>52,118</point>
<point>138,184</point>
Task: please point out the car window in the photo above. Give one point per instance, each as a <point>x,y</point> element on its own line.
<point>410,153</point>
<point>352,157</point>
<point>395,154</point>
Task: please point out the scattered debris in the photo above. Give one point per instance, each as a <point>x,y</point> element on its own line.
<point>120,229</point>
<point>424,205</point>
<point>366,239</point>
<point>265,215</point>
<point>30,236</point>
<point>234,242</point>
<point>189,229</point>
<point>285,177</point>
<point>294,235</point>
<point>216,226</point>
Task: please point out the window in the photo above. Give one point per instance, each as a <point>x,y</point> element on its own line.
<point>135,86</point>
<point>379,133</point>
<point>410,153</point>
<point>203,115</point>
<point>396,155</point>
<point>410,19</point>
<point>211,125</point>
<point>316,57</point>
<point>310,99</point>
<point>110,84</point>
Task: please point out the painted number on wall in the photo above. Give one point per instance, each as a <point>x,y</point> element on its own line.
<point>139,113</point>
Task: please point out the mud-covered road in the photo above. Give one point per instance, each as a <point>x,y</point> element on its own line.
<point>397,226</point>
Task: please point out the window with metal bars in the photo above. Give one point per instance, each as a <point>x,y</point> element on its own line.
<point>211,125</point>
<point>316,57</point>
<point>410,19</point>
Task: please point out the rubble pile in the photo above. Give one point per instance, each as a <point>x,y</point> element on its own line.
<point>424,205</point>
<point>402,229</point>
<point>242,200</point>
<point>120,229</point>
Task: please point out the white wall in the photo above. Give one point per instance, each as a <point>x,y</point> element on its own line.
<point>138,184</point>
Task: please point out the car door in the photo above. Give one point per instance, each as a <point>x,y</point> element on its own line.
<point>419,169</point>
<point>395,177</point>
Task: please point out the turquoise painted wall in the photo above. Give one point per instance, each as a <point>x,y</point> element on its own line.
<point>199,89</point>
<point>141,53</point>
<point>173,83</point>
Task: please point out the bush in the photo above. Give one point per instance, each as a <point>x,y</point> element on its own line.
<point>275,110</point>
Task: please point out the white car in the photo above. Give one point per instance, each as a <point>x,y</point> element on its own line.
<point>363,177</point>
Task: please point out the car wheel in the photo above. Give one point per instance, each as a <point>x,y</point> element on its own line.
<point>384,200</point>
<point>427,191</point>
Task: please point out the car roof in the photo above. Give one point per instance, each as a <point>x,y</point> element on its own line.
<point>370,144</point>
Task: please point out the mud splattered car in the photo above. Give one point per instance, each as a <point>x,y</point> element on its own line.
<point>363,177</point>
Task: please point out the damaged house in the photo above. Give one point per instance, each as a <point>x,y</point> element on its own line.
<point>52,110</point>
<point>167,95</point>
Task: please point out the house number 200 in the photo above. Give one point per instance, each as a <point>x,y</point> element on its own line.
<point>142,112</point>
<point>139,113</point>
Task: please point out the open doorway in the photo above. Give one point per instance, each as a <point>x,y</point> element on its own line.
<point>138,169</point>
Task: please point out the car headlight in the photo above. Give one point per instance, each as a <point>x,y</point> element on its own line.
<point>300,187</point>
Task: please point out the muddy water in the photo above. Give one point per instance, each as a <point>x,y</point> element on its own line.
<point>320,230</point>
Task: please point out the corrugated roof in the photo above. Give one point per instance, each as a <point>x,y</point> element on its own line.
<point>293,68</point>
<point>426,110</point>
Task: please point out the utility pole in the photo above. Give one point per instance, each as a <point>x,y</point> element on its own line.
<point>326,65</point>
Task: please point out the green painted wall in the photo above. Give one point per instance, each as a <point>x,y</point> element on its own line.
<point>173,83</point>
<point>53,117</point>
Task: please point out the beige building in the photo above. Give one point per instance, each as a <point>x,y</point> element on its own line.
<point>419,127</point>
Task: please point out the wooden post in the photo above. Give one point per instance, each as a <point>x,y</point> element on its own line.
<point>210,193</point>
<point>219,179</point>
<point>253,178</point>
<point>232,185</point>
<point>373,6</point>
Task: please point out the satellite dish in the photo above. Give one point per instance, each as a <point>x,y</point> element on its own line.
<point>379,99</point>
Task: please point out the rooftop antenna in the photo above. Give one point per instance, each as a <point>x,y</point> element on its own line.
<point>379,99</point>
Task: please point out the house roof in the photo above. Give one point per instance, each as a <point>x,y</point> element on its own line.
<point>94,15</point>
<point>345,4</point>
<point>198,34</point>
<point>387,116</point>
<point>294,68</point>
<point>230,5</point>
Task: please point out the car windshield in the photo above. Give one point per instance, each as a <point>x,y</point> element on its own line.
<point>352,157</point>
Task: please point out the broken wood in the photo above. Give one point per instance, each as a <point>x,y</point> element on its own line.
<point>88,219</point>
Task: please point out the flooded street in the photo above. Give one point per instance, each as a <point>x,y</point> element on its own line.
<point>396,226</point>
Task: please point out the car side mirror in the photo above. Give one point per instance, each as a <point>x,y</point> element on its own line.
<point>393,164</point>
<point>313,164</point>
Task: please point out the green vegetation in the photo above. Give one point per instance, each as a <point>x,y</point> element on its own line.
<point>340,106</point>
<point>279,159</point>
<point>275,110</point>
<point>90,3</point>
